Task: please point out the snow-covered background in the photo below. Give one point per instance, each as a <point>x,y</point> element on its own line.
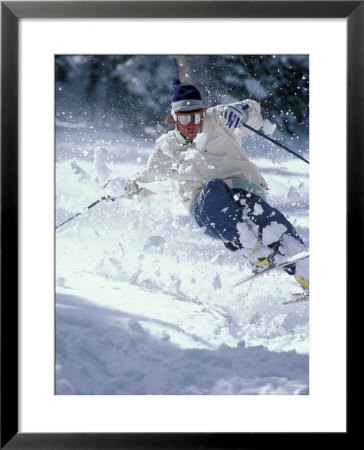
<point>144,300</point>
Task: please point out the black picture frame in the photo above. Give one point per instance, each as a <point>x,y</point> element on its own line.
<point>11,13</point>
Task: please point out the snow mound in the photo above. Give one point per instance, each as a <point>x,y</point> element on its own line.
<point>144,300</point>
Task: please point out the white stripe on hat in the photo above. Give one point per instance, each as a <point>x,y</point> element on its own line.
<point>187,105</point>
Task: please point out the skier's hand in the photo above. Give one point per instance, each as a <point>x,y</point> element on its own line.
<point>117,187</point>
<point>232,116</point>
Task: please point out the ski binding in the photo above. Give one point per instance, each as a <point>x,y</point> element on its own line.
<point>298,257</point>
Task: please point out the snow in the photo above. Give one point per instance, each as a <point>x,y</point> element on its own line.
<point>248,232</point>
<point>272,233</point>
<point>144,300</point>
<point>101,168</point>
<point>268,127</point>
<point>200,140</point>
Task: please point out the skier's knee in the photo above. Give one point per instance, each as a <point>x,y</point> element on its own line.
<point>215,184</point>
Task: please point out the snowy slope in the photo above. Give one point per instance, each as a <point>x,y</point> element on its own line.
<point>144,300</point>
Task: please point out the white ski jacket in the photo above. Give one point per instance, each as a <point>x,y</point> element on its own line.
<point>216,152</point>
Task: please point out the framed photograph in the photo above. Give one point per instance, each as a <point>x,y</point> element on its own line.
<point>160,196</point>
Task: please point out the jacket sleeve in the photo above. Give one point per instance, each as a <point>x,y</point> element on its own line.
<point>159,167</point>
<point>253,118</point>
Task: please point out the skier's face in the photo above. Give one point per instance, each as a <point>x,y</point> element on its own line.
<point>189,131</point>
<point>189,123</point>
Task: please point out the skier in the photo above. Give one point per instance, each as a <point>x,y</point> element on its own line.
<point>221,188</point>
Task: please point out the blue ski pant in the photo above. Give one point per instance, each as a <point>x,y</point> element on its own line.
<point>217,208</point>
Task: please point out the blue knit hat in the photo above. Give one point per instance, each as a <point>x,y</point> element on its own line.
<point>186,97</point>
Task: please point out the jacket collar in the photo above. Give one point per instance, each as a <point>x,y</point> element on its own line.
<point>181,139</point>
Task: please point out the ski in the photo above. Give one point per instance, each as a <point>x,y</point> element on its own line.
<point>297,298</point>
<point>293,259</point>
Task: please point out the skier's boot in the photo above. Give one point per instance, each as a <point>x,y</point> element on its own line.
<point>261,258</point>
<point>304,282</point>
<point>302,275</point>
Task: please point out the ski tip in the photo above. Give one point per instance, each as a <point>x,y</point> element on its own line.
<point>297,298</point>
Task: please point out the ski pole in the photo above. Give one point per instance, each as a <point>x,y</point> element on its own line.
<point>272,140</point>
<point>92,205</point>
<point>79,213</point>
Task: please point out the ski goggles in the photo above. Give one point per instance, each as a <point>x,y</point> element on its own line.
<point>185,118</point>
